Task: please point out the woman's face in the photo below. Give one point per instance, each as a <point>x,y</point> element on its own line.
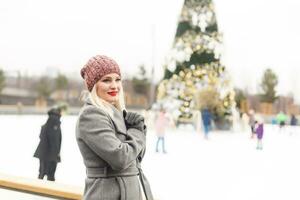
<point>108,87</point>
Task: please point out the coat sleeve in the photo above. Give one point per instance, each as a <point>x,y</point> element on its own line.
<point>98,133</point>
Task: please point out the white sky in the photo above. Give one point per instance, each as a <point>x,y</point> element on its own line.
<point>260,34</point>
<point>43,34</point>
<point>38,35</point>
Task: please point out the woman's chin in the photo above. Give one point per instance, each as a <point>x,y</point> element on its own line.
<point>113,101</point>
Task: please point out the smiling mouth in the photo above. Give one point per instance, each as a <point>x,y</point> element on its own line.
<point>112,93</point>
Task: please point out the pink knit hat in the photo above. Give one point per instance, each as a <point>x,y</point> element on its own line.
<point>97,67</point>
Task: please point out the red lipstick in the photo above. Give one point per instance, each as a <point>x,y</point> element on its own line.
<point>113,93</point>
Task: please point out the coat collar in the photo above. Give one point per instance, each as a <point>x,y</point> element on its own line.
<point>117,117</point>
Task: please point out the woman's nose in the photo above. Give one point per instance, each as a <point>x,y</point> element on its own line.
<point>113,84</point>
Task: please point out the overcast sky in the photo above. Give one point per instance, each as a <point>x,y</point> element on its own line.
<point>39,35</point>
<point>64,33</point>
<point>260,34</point>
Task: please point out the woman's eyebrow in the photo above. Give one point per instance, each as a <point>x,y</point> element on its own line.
<point>107,78</point>
<point>111,78</point>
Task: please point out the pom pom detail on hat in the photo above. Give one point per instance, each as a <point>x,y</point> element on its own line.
<point>97,67</point>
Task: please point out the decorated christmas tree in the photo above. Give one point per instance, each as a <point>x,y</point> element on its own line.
<point>194,75</point>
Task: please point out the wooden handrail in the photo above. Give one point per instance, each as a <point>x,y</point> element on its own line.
<point>41,187</point>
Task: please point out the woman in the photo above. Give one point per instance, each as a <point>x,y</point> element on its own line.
<point>112,141</point>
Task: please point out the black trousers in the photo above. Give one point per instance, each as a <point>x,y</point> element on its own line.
<point>47,168</point>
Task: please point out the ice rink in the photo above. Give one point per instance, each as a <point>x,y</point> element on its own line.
<point>227,166</point>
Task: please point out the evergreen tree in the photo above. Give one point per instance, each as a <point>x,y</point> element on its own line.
<point>268,84</point>
<point>194,66</point>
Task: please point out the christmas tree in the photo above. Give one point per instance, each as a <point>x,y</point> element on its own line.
<point>194,76</point>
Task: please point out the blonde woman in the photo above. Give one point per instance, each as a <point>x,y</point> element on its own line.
<point>112,141</point>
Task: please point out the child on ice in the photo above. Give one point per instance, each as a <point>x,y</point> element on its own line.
<point>161,123</point>
<point>259,129</point>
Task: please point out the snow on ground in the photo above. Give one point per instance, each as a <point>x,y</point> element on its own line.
<point>227,166</point>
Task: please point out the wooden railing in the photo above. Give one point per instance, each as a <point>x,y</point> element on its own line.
<point>40,187</point>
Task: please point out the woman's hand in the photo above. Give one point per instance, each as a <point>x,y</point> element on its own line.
<point>134,120</point>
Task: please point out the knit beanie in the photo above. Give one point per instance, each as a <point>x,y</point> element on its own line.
<point>97,67</point>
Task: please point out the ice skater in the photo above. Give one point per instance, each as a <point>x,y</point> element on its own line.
<point>161,124</point>
<point>281,120</point>
<point>293,123</point>
<point>259,129</point>
<point>206,119</point>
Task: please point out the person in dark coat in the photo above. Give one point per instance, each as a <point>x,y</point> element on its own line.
<point>293,123</point>
<point>206,119</point>
<point>48,150</point>
<point>111,140</point>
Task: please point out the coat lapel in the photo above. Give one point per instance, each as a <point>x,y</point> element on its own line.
<point>118,121</point>
<point>117,118</point>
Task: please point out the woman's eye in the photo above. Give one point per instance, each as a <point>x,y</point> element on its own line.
<point>118,79</point>
<point>106,80</point>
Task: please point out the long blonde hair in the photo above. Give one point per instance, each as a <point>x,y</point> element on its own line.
<point>104,105</point>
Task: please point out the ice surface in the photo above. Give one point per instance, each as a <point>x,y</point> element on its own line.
<point>227,166</point>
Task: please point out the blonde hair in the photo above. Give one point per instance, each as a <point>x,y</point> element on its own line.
<point>104,105</point>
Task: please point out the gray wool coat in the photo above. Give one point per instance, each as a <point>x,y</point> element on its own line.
<point>110,153</point>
